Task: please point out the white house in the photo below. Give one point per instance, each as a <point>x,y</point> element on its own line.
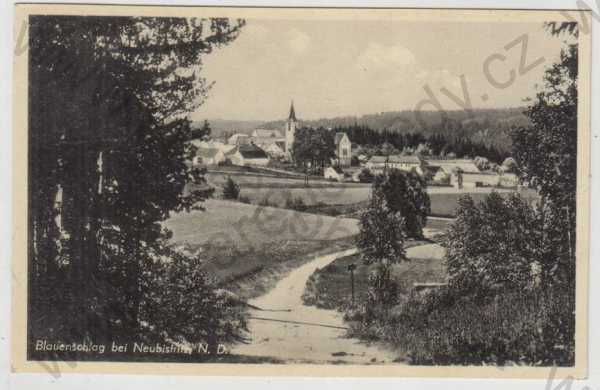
<point>343,149</point>
<point>250,154</point>
<point>208,156</point>
<point>404,163</point>
<point>334,173</point>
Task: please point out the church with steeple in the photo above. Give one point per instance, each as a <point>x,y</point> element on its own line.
<point>290,131</point>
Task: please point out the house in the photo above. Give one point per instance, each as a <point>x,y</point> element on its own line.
<point>508,180</point>
<point>404,163</point>
<point>274,149</point>
<point>473,180</point>
<point>334,173</point>
<point>261,133</point>
<point>448,165</point>
<point>239,139</point>
<point>245,155</point>
<point>343,149</point>
<point>437,174</point>
<point>208,156</point>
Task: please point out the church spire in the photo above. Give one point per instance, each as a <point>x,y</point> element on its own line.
<point>292,113</point>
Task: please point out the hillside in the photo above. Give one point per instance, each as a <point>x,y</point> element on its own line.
<point>487,126</point>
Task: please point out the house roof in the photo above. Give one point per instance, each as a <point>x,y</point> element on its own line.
<point>467,166</point>
<point>252,151</point>
<point>338,138</point>
<point>337,169</point>
<point>207,152</point>
<point>234,138</point>
<point>396,159</point>
<point>266,133</point>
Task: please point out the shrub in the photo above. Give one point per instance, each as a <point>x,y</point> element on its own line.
<point>366,176</point>
<point>296,203</point>
<point>231,190</point>
<point>180,304</point>
<point>265,202</point>
<point>532,327</point>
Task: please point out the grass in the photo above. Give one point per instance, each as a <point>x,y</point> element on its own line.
<point>247,248</point>
<point>243,226</point>
<point>330,287</point>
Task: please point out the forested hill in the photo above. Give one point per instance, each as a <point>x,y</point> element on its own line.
<point>486,126</point>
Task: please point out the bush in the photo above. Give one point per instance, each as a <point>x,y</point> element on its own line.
<point>531,327</point>
<point>265,202</point>
<point>180,304</point>
<point>296,203</point>
<point>366,176</point>
<point>231,190</point>
<point>244,199</point>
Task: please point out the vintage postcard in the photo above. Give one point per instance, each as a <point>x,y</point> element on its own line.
<point>301,191</point>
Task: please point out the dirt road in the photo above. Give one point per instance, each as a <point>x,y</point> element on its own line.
<point>291,331</point>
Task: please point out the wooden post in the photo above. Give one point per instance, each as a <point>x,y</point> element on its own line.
<point>351,268</point>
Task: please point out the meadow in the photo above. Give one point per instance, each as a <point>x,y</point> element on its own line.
<point>330,287</point>
<point>247,248</point>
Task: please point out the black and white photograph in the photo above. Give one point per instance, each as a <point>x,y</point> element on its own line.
<point>317,188</point>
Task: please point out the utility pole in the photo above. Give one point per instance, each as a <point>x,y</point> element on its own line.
<point>351,268</point>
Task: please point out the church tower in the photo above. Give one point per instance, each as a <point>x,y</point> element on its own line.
<point>290,130</point>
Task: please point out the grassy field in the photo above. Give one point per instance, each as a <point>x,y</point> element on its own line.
<point>330,287</point>
<point>247,248</point>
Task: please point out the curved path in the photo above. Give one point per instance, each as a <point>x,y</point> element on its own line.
<point>287,329</point>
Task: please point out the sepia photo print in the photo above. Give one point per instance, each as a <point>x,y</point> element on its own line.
<point>237,191</point>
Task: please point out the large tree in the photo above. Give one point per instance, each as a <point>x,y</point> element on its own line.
<point>107,138</point>
<point>406,193</point>
<point>546,153</point>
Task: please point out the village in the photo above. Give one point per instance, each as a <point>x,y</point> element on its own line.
<point>273,150</point>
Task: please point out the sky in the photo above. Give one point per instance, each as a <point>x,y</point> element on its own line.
<point>339,68</point>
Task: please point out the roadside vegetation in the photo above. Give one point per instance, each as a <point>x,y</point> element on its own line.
<point>510,264</point>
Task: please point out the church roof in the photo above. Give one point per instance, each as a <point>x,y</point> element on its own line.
<point>338,137</point>
<point>292,113</point>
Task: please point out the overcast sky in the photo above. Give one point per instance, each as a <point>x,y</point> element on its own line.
<point>333,68</point>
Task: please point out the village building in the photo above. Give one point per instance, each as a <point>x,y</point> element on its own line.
<point>275,149</point>
<point>334,173</point>
<point>343,149</point>
<point>249,155</point>
<point>377,164</point>
<point>290,132</point>
<point>239,139</point>
<point>208,156</point>
<point>262,133</point>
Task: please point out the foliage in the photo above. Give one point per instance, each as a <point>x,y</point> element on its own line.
<point>380,241</point>
<point>441,328</point>
<point>366,176</point>
<point>381,235</point>
<point>313,148</point>
<point>108,140</point>
<point>406,193</point>
<point>546,153</point>
<point>476,132</point>
<point>231,190</point>
<point>201,132</point>
<point>181,305</point>
<point>295,203</point>
<point>491,245</point>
